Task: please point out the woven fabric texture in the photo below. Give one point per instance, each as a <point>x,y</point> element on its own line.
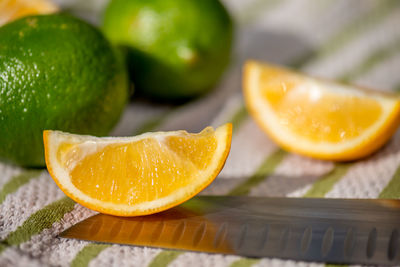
<point>353,41</point>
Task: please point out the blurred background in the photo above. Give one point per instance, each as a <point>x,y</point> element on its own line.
<point>357,41</point>
<point>352,41</point>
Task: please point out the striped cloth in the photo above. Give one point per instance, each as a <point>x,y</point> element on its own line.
<point>351,41</point>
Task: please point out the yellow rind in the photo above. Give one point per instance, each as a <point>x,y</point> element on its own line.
<point>223,135</point>
<point>363,148</point>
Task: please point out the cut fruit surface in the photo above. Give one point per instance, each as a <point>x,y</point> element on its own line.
<point>319,118</point>
<point>129,176</point>
<point>13,9</point>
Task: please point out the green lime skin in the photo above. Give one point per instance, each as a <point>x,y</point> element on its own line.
<point>60,73</point>
<point>176,49</point>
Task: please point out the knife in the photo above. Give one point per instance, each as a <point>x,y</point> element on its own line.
<point>341,231</point>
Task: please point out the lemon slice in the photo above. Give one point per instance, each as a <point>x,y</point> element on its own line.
<point>319,118</point>
<point>136,175</point>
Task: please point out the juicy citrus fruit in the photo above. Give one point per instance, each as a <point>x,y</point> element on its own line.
<point>176,48</point>
<point>13,9</point>
<point>319,118</point>
<point>56,72</point>
<point>136,175</point>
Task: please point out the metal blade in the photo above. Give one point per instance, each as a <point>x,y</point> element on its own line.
<point>326,230</point>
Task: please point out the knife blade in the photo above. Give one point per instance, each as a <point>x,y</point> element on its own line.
<point>343,231</point>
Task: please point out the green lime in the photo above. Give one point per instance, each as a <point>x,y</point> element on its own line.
<point>56,72</point>
<point>176,48</point>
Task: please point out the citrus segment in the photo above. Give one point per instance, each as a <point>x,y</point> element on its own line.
<point>13,9</point>
<point>136,175</point>
<point>319,118</point>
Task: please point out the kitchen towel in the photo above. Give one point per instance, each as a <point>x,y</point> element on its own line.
<point>354,41</point>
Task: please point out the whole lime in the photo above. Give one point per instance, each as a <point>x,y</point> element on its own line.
<point>176,48</point>
<point>56,72</point>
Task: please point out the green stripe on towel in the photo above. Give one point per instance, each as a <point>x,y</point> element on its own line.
<point>17,181</point>
<point>359,25</point>
<point>392,189</point>
<point>262,173</point>
<point>83,258</point>
<point>238,118</point>
<point>40,220</point>
<point>164,258</point>
<point>372,60</point>
<point>321,187</point>
<point>244,262</point>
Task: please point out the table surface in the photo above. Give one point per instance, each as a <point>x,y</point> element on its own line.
<point>356,41</point>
